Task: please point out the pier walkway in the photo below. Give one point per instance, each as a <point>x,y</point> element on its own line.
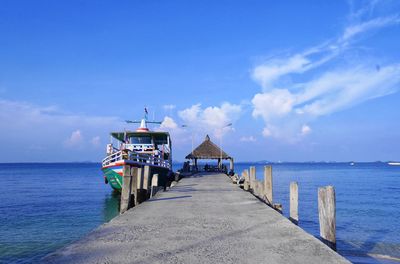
<point>203,219</point>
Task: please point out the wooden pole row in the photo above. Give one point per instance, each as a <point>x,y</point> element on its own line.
<point>326,202</point>
<point>136,186</point>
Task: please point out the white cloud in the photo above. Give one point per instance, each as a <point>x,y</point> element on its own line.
<point>305,130</point>
<point>190,115</point>
<point>75,140</point>
<point>95,141</point>
<point>169,107</point>
<point>278,102</point>
<point>334,91</point>
<point>357,29</point>
<point>50,128</point>
<point>248,139</point>
<point>270,71</point>
<point>267,132</point>
<point>168,123</point>
<point>213,119</point>
<point>343,88</point>
<point>287,102</point>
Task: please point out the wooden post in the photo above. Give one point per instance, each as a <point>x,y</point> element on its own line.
<point>126,189</point>
<point>146,178</point>
<point>294,203</point>
<point>258,188</point>
<point>246,184</point>
<point>154,185</point>
<point>252,177</point>
<point>268,191</point>
<point>141,192</point>
<point>140,178</point>
<point>231,165</point>
<point>327,215</point>
<point>134,181</point>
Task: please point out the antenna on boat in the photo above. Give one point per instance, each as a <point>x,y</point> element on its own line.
<point>143,123</point>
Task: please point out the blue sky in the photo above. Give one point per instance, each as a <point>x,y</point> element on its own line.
<point>299,80</point>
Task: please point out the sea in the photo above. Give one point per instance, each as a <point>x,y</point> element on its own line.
<point>45,206</point>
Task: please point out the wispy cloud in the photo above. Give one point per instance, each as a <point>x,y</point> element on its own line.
<point>169,107</point>
<point>377,23</point>
<point>96,141</point>
<point>248,139</point>
<point>328,83</point>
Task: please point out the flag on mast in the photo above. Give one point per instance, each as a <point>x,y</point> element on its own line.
<point>145,113</point>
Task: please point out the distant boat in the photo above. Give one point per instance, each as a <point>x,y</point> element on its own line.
<point>394,163</point>
<point>351,163</point>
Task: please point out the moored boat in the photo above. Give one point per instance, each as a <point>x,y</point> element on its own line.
<point>138,148</point>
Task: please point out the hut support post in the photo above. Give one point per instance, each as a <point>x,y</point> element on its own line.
<point>231,165</point>
<point>294,203</point>
<point>327,215</point>
<point>268,184</point>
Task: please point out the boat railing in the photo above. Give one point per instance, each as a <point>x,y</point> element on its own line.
<point>139,147</point>
<point>148,159</point>
<point>145,159</point>
<point>116,156</point>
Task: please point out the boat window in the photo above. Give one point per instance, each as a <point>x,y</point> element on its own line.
<point>160,140</point>
<point>140,140</point>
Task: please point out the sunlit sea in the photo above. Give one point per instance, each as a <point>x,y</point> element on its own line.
<point>45,206</point>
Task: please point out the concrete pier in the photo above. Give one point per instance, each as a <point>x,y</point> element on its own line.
<point>203,219</point>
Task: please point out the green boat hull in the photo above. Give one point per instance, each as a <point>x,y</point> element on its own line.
<point>113,176</point>
<point>113,179</point>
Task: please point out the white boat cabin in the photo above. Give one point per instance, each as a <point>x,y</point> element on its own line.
<point>141,146</point>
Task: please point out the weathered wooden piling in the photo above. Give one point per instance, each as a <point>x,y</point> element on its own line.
<point>146,177</point>
<point>260,189</point>
<point>294,203</point>
<point>134,190</point>
<point>268,184</point>
<point>327,215</point>
<point>252,177</point>
<point>126,189</point>
<point>139,186</point>
<point>246,185</point>
<point>154,185</point>
<point>143,184</point>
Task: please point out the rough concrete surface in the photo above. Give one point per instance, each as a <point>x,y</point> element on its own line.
<point>203,219</point>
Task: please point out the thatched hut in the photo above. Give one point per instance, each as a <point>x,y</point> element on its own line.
<point>209,150</point>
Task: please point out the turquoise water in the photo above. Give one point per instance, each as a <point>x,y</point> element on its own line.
<point>367,203</point>
<point>46,206</point>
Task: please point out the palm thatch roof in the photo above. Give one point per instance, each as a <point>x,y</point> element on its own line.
<point>207,150</point>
